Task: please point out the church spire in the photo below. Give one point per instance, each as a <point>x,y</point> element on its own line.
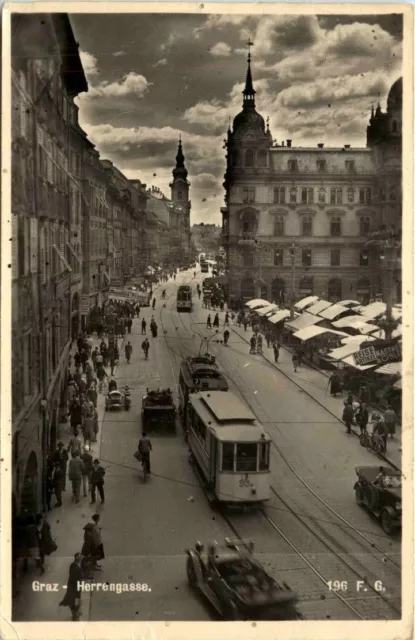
<point>180,169</point>
<point>249,91</point>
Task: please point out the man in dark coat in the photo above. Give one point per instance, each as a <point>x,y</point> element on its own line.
<point>61,457</point>
<point>97,481</point>
<point>348,415</point>
<point>72,597</point>
<point>335,386</point>
<point>362,417</point>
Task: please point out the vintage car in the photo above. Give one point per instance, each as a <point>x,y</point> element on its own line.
<point>158,411</point>
<point>380,490</point>
<point>236,585</point>
<point>114,400</point>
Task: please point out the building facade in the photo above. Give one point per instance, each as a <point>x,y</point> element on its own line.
<point>296,220</point>
<point>206,238</point>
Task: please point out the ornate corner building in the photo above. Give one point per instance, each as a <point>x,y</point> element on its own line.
<point>297,220</point>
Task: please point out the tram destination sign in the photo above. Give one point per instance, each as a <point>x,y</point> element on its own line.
<point>379,352</point>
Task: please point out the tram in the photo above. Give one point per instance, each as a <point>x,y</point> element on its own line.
<point>229,449</point>
<point>198,373</point>
<point>204,266</point>
<point>184,298</point>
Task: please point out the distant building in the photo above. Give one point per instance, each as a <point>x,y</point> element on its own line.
<point>296,220</point>
<point>206,237</point>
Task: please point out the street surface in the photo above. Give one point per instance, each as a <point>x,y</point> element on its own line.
<point>147,527</point>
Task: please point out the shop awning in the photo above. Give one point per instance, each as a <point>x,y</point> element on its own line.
<point>346,322</point>
<point>319,306</point>
<point>344,351</point>
<point>364,327</point>
<point>390,369</point>
<point>396,314</point>
<point>263,311</point>
<point>357,339</point>
<point>313,331</point>
<point>373,310</point>
<point>280,315</point>
<point>305,302</point>
<point>332,312</point>
<point>349,303</point>
<point>350,361</point>
<point>304,320</point>
<point>256,303</point>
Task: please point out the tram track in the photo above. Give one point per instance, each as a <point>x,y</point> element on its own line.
<point>355,573</point>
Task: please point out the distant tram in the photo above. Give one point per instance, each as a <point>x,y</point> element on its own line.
<point>204,266</point>
<point>198,373</point>
<point>229,449</point>
<point>184,298</point>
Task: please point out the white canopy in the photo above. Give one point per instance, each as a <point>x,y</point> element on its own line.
<point>312,331</point>
<point>332,312</point>
<point>390,369</point>
<point>263,311</point>
<point>362,367</point>
<point>373,310</point>
<point>344,351</point>
<point>280,315</point>
<point>304,320</point>
<point>257,302</point>
<point>346,322</point>
<point>305,302</point>
<point>349,303</point>
<point>319,306</point>
<point>364,327</point>
<point>396,313</point>
<point>357,339</point>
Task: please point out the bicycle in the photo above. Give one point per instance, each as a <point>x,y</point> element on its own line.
<point>372,441</point>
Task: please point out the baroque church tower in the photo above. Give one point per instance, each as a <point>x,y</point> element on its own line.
<point>180,187</point>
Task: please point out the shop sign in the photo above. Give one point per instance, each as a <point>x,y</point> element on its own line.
<point>380,352</point>
<point>85,305</point>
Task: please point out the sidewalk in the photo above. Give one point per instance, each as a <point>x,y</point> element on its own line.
<point>67,524</point>
<point>315,383</point>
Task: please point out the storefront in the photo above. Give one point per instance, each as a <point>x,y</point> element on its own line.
<point>316,342</point>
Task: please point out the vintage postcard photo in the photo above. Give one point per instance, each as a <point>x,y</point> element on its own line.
<point>207,315</point>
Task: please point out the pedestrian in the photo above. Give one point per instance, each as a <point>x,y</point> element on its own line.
<point>101,375</point>
<point>46,544</point>
<point>86,474</point>
<point>362,417</point>
<point>380,430</point>
<point>113,364</point>
<point>348,415</point>
<point>143,327</point>
<point>154,304</point>
<point>58,479</point>
<point>88,428</point>
<point>259,344</point>
<point>295,361</point>
<point>97,481</point>
<point>61,458</point>
<point>252,343</point>
<point>75,444</point>
<point>49,481</point>
<point>226,323</point>
<point>216,320</point>
<point>334,382</point>
<point>208,322</point>
<point>98,547</point>
<point>226,335</point>
<point>92,393</point>
<point>94,355</point>
<point>390,421</point>
<point>95,427</point>
<point>129,324</point>
<point>145,345</point>
<point>76,470</point>
<point>72,597</point>
<point>349,399</point>
<point>245,323</point>
<point>71,392</point>
<point>128,351</point>
<point>276,349</point>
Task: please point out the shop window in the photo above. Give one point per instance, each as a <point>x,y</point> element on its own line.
<point>364,226</point>
<point>307,226</point>
<point>335,258</point>
<point>278,257</point>
<point>335,227</point>
<point>246,457</point>
<point>279,226</point>
<point>306,257</point>
<point>249,158</point>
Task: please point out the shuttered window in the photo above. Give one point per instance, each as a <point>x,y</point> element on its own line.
<point>33,245</point>
<point>43,258</point>
<point>15,231</point>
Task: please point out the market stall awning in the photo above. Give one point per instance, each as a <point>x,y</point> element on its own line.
<point>373,310</point>
<point>280,315</point>
<point>397,332</point>
<point>313,331</point>
<point>319,306</point>
<point>349,303</point>
<point>304,320</point>
<point>396,313</point>
<point>332,312</point>
<point>364,327</point>
<point>344,351</point>
<point>347,322</point>
<point>305,302</point>
<point>398,384</point>
<point>270,309</point>
<point>361,367</point>
<point>390,369</point>
<point>257,302</point>
<point>357,339</point>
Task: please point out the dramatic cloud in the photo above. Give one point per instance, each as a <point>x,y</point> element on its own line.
<point>89,63</point>
<point>276,33</point>
<point>221,49</point>
<point>131,84</point>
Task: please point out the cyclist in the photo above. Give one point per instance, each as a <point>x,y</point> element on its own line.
<point>145,347</point>
<point>380,431</point>
<point>144,447</point>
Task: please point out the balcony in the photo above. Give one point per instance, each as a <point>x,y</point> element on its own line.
<point>247,238</point>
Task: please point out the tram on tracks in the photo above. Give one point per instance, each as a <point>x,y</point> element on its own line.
<point>229,449</point>
<point>198,373</point>
<point>204,266</point>
<point>184,298</point>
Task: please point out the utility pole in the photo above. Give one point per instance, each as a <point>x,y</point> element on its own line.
<point>292,300</point>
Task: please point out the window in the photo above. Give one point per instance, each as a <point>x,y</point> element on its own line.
<point>303,196</point>
<point>307,226</point>
<point>262,158</point>
<point>264,456</point>
<point>335,227</point>
<point>235,158</point>
<point>279,225</point>
<point>350,166</point>
<point>335,258</point>
<point>246,457</point>
<point>305,286</point>
<point>248,257</point>
<point>180,195</point>
<point>293,195</point>
<point>278,257</point>
<point>249,158</point>
<point>227,456</point>
<point>364,226</point>
<point>350,194</point>
<point>364,259</point>
<point>321,166</point>
<point>278,290</point>
<point>333,196</point>
<point>365,195</point>
<point>292,165</point>
<point>310,194</point>
<point>248,194</point>
<point>322,195</point>
<point>334,290</point>
<point>339,195</point>
<point>279,195</point>
<point>306,257</point>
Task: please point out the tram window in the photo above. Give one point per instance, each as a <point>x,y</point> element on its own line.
<point>264,456</point>
<point>246,457</point>
<point>199,428</point>
<point>227,456</point>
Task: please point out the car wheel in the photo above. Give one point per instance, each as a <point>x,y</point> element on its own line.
<point>359,495</point>
<point>191,573</point>
<point>387,522</point>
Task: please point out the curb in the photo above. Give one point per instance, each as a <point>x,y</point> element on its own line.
<point>385,458</point>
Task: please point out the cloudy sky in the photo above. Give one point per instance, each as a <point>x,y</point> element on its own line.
<point>154,76</point>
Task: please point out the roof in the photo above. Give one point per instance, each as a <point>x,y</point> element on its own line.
<point>264,310</point>
<point>350,361</point>
<point>349,303</point>
<point>344,351</point>
<point>319,306</point>
<point>304,320</point>
<point>313,331</point>
<point>357,339</point>
<point>332,312</point>
<point>390,369</point>
<point>373,310</point>
<point>280,315</point>
<point>257,302</point>
<point>346,322</point>
<point>305,302</point>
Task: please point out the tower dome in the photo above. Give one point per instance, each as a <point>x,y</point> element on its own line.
<point>395,96</point>
<point>248,118</point>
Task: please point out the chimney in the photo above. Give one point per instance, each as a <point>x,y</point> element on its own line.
<point>347,146</point>
<point>289,143</point>
<point>283,143</point>
<point>320,145</point>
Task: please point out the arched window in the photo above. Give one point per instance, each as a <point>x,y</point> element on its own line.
<point>262,158</point>
<point>322,195</point>
<point>334,290</point>
<point>306,286</point>
<point>278,290</point>
<point>247,289</point>
<point>293,195</point>
<point>335,226</point>
<point>307,226</point>
<point>249,158</point>
<point>279,226</point>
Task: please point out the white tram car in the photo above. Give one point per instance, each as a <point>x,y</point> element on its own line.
<point>229,448</point>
